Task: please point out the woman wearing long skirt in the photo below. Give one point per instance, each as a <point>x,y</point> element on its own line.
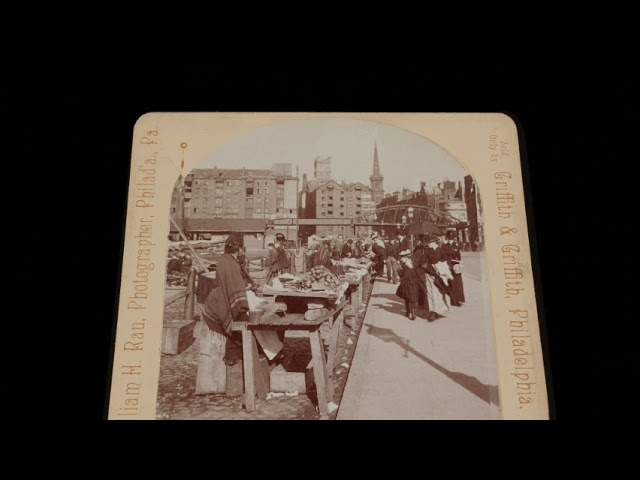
<point>437,289</point>
<point>409,288</point>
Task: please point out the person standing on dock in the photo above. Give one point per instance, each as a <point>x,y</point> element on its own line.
<point>454,259</point>
<point>272,263</point>
<point>409,288</point>
<point>226,303</point>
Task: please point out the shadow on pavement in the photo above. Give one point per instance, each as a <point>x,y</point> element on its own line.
<point>487,393</point>
<point>396,306</point>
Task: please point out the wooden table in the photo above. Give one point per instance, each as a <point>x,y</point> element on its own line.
<point>322,367</point>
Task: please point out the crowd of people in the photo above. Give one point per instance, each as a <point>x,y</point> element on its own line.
<point>429,276</point>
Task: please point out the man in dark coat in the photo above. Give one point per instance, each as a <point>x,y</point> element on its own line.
<point>347,251</point>
<point>283,261</point>
<point>403,242</point>
<point>377,248</point>
<point>323,259</point>
<point>357,249</point>
<point>418,259</point>
<point>452,256</point>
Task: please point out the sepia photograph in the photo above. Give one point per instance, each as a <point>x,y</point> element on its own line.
<point>324,268</point>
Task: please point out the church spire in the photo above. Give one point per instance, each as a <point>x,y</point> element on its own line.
<point>376,179</point>
<point>376,164</point>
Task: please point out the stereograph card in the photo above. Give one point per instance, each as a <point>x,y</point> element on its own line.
<point>423,307</point>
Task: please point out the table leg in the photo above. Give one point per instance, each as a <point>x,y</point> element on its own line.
<point>247,364</point>
<point>334,336</point>
<point>324,385</point>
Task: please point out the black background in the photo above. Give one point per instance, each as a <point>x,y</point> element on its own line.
<point>579,144</point>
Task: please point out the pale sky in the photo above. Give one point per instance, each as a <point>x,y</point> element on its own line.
<point>405,158</point>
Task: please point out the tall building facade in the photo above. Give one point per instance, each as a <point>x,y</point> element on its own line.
<point>238,193</point>
<point>333,200</point>
<point>322,169</point>
<point>377,186</point>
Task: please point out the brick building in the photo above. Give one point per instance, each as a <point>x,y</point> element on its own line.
<point>237,193</point>
<point>337,200</point>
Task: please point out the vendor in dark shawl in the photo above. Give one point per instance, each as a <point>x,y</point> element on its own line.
<point>227,301</point>
<point>324,255</point>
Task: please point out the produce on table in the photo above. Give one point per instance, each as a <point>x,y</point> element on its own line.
<point>320,275</point>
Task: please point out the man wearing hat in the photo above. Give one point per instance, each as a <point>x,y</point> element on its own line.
<point>452,255</point>
<point>323,259</point>
<point>379,251</point>
<point>393,255</point>
<point>226,303</point>
<point>403,242</point>
<point>347,249</point>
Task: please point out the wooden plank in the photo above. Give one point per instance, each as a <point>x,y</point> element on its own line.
<point>247,360</point>
<point>211,376</point>
<point>279,293</point>
<point>334,337</point>
<point>235,380</point>
<point>318,371</point>
<point>261,383</point>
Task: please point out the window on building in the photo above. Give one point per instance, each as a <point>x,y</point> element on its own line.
<point>342,206</point>
<point>173,210</point>
<point>195,210</point>
<point>358,205</point>
<point>323,191</point>
<point>280,203</point>
<point>197,182</point>
<point>236,190</point>
<point>323,213</point>
<point>249,191</point>
<point>290,210</point>
<point>324,198</point>
<point>330,212</point>
<point>342,199</point>
<point>266,200</point>
<point>266,190</point>
<point>280,192</point>
<point>206,199</point>
<point>358,212</point>
<point>259,211</point>
<point>342,214</point>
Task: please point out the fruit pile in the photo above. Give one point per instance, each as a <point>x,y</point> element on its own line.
<point>321,275</point>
